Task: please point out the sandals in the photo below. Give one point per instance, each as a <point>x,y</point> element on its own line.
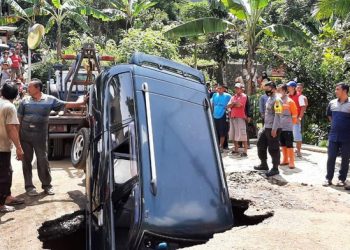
<point>6,209</point>
<point>14,201</point>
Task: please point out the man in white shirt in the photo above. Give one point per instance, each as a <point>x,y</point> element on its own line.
<point>5,73</point>
<point>303,103</point>
<point>8,134</point>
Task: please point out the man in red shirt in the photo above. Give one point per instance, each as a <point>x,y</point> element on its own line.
<point>16,65</point>
<point>238,129</point>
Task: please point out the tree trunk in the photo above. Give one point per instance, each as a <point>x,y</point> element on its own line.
<point>223,64</point>
<point>59,41</point>
<point>195,54</point>
<point>248,78</point>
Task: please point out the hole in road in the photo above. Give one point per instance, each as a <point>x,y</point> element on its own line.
<point>241,219</point>
<point>68,231</point>
<point>64,233</point>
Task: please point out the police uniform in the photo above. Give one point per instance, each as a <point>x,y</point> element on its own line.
<point>273,111</point>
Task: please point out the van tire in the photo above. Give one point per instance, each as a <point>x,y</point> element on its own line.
<point>80,148</point>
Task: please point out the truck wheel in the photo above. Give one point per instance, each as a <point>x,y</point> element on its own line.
<point>80,148</point>
<point>56,149</point>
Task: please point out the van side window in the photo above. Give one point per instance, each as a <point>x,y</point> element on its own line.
<point>122,99</point>
<point>122,131</point>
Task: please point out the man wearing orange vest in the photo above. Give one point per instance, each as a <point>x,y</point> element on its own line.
<point>288,119</point>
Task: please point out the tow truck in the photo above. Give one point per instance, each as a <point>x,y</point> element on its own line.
<point>68,129</point>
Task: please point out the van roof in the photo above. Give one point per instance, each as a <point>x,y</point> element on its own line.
<point>160,63</point>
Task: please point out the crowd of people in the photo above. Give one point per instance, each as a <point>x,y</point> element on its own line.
<point>283,109</point>
<point>27,129</point>
<point>12,63</point>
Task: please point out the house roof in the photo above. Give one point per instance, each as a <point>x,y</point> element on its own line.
<point>8,28</point>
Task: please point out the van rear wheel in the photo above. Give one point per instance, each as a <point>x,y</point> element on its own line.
<point>80,149</point>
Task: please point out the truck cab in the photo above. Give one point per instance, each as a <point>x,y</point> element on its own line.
<point>154,176</point>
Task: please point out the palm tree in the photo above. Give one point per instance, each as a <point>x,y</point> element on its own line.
<point>325,9</point>
<point>130,9</point>
<point>249,12</point>
<point>196,28</point>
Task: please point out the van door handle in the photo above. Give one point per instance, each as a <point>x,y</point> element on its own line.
<point>150,138</point>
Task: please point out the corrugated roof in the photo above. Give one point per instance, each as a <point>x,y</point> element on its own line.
<point>8,28</point>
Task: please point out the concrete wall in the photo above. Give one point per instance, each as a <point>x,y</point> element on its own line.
<point>233,70</point>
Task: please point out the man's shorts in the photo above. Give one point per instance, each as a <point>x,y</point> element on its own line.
<point>297,133</point>
<point>286,139</point>
<point>221,126</point>
<point>16,72</point>
<point>238,129</point>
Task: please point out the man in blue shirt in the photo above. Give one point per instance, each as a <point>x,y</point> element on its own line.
<point>338,112</point>
<point>219,102</point>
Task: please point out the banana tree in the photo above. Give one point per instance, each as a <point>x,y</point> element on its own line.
<point>28,14</point>
<point>60,10</point>
<point>131,9</point>
<point>198,27</point>
<point>326,9</point>
<point>249,12</point>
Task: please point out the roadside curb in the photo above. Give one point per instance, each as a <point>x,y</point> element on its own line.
<point>304,147</point>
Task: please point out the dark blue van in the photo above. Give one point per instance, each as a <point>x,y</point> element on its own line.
<point>155,178</point>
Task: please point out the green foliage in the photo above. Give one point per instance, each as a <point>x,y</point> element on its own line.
<point>195,10</point>
<point>200,62</point>
<point>326,9</point>
<point>129,10</point>
<point>172,8</point>
<point>316,133</point>
<point>151,18</point>
<point>332,65</point>
<point>199,27</point>
<point>147,41</point>
<point>41,69</point>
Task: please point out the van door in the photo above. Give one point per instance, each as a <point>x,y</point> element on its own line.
<point>123,159</point>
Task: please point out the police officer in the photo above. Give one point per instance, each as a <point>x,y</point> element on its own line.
<point>269,136</point>
<point>33,113</point>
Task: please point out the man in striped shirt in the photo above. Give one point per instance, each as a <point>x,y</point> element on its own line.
<point>33,113</point>
<point>338,113</point>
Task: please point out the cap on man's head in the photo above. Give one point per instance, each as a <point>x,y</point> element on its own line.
<point>238,85</point>
<point>292,84</point>
<point>271,84</point>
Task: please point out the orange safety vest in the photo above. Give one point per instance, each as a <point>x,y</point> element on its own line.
<point>290,109</point>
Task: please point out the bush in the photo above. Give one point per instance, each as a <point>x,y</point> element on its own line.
<point>148,41</point>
